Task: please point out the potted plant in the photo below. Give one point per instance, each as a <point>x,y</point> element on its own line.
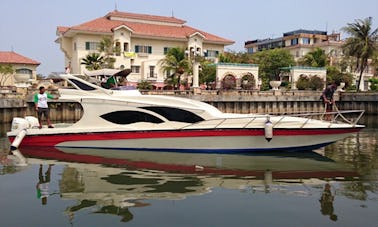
<point>275,81</point>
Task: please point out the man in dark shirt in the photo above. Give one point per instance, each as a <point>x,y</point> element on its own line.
<point>328,99</point>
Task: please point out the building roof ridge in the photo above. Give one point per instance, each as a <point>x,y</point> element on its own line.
<point>147,17</point>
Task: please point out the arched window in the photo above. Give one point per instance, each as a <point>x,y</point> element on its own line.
<point>248,82</point>
<point>24,71</point>
<point>229,82</point>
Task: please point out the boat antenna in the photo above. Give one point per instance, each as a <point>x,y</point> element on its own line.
<point>115,6</point>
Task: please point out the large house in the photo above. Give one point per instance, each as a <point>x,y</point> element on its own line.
<point>299,43</point>
<point>142,39</point>
<point>24,69</point>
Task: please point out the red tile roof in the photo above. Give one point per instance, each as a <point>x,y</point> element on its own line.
<point>10,57</point>
<point>177,31</point>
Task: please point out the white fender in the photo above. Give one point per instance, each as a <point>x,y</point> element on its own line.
<point>268,128</point>
<point>16,142</point>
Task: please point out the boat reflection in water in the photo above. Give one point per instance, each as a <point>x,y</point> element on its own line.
<point>110,183</point>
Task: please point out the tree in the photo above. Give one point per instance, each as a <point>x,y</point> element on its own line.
<point>271,63</point>
<point>176,63</point>
<point>335,75</point>
<point>6,71</point>
<point>208,72</point>
<point>107,47</point>
<point>93,61</point>
<point>315,58</point>
<point>361,44</point>
<point>235,57</point>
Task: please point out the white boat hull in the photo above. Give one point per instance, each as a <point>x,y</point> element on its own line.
<point>208,141</point>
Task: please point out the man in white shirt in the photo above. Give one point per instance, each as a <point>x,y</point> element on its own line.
<point>40,102</point>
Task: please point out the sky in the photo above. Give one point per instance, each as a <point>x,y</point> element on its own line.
<point>28,27</point>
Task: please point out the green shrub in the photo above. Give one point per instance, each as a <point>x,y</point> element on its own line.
<point>316,83</point>
<point>303,83</point>
<point>144,85</point>
<point>373,84</point>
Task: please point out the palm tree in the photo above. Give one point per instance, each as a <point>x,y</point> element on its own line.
<point>107,47</point>
<point>361,44</point>
<point>315,58</point>
<point>176,62</point>
<point>93,61</point>
<point>6,71</point>
<point>144,85</point>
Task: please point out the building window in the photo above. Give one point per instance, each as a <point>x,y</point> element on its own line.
<point>166,49</point>
<point>152,71</point>
<point>135,69</point>
<point>294,41</point>
<point>24,71</point>
<point>168,74</point>
<point>126,47</point>
<point>297,54</point>
<point>250,50</point>
<point>118,49</point>
<point>92,45</point>
<point>75,46</point>
<point>212,53</point>
<point>306,40</point>
<point>143,49</point>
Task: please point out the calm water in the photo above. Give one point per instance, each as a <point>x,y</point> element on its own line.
<point>334,186</point>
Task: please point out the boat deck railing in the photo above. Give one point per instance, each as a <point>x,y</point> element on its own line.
<point>335,117</point>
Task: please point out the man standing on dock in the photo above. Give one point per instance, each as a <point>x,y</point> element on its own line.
<point>40,102</point>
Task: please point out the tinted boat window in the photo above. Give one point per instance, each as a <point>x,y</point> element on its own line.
<point>129,117</point>
<point>175,114</point>
<point>82,86</point>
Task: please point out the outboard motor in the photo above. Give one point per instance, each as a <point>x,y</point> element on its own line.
<point>268,128</point>
<point>19,124</point>
<point>22,124</point>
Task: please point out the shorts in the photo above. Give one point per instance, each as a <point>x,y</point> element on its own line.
<point>329,107</point>
<point>43,111</point>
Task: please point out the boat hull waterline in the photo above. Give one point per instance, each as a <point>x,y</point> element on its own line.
<point>208,141</point>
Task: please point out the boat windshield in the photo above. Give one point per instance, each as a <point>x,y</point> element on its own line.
<point>82,85</point>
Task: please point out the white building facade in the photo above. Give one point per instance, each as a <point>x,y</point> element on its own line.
<point>143,40</point>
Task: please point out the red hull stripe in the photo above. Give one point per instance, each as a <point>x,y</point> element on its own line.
<point>52,153</point>
<point>52,140</point>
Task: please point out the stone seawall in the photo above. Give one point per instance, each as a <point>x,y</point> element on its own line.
<point>229,102</point>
